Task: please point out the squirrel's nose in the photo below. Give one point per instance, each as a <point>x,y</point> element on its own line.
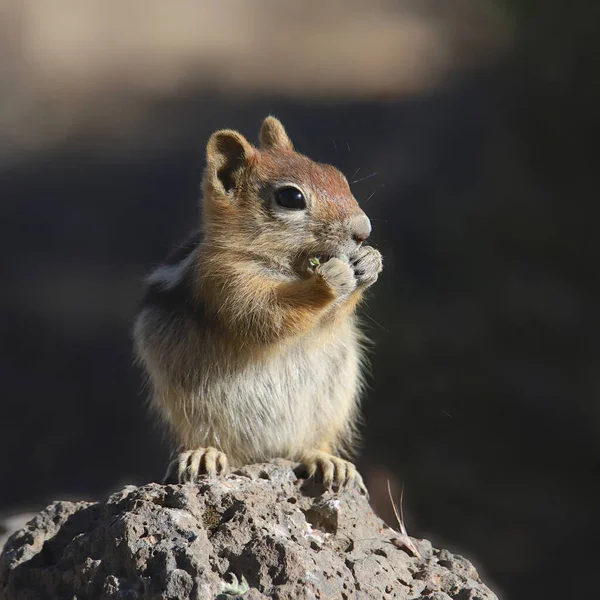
<point>360,228</point>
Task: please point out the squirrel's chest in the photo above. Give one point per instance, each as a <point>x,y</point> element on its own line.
<point>312,367</point>
<point>290,399</point>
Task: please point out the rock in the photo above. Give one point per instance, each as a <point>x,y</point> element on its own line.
<point>12,523</point>
<point>260,533</point>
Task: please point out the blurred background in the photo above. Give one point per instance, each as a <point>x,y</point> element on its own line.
<point>470,129</point>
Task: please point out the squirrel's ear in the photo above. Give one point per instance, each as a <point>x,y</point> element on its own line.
<point>272,135</point>
<point>227,153</point>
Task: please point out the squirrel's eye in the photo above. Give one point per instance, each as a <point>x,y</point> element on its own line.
<point>290,197</point>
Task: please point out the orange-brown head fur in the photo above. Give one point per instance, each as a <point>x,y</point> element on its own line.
<point>240,211</point>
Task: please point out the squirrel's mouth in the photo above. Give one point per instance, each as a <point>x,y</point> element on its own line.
<point>311,260</point>
<point>317,258</point>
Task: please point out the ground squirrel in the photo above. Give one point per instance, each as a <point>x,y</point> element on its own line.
<point>247,332</point>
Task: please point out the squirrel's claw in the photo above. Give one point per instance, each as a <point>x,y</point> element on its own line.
<point>333,472</point>
<point>190,465</point>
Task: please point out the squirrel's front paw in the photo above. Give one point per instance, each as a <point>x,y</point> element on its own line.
<point>333,472</point>
<point>338,274</point>
<point>367,264</point>
<point>190,465</point>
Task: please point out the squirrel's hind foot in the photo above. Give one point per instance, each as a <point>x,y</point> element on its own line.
<point>190,465</point>
<point>333,472</point>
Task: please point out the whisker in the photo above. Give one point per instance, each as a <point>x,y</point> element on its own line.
<point>367,177</point>
<point>376,323</point>
<point>356,173</point>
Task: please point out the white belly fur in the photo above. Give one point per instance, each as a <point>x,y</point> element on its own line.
<point>281,405</point>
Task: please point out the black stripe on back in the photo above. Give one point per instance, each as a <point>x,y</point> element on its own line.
<point>182,251</point>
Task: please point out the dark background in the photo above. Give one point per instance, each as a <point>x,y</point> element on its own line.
<point>477,159</point>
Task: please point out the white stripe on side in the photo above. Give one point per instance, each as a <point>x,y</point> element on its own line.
<point>169,276</point>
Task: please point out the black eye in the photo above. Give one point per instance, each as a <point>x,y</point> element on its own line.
<point>290,197</point>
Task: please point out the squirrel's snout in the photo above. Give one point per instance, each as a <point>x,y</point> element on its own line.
<point>360,228</point>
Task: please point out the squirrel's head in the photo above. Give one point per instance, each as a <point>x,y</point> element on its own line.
<point>273,201</point>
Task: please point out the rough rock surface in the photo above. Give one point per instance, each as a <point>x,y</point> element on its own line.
<point>260,533</point>
<point>10,524</point>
